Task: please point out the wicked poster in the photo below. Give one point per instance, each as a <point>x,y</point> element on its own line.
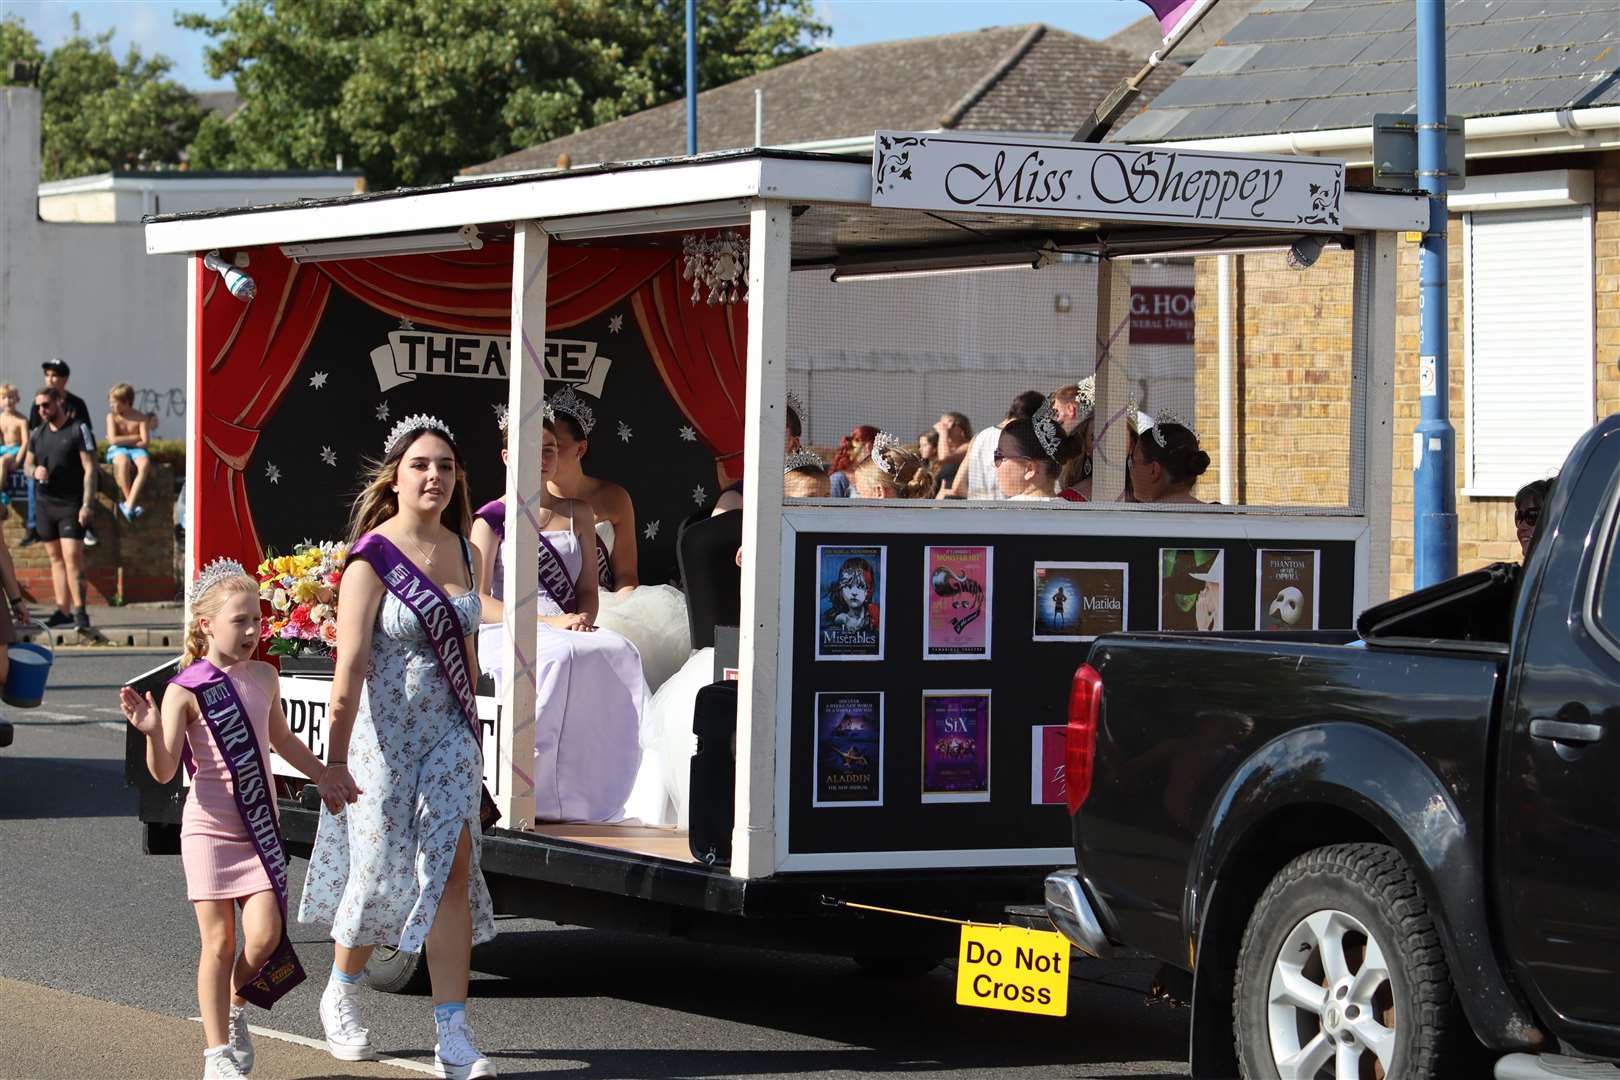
<point>1048,768</point>
<point>849,749</point>
<point>849,602</point>
<point>1287,588</point>
<point>1079,601</point>
<point>956,746</point>
<point>956,590</point>
<point>1191,583</point>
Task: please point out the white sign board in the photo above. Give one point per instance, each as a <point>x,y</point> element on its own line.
<point>999,175</point>
<point>305,702</point>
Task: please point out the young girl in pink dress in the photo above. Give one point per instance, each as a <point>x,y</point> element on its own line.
<point>223,864</point>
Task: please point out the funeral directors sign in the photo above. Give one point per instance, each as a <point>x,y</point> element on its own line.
<point>996,175</point>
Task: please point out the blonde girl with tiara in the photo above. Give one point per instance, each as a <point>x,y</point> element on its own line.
<point>893,472</point>
<point>220,716</point>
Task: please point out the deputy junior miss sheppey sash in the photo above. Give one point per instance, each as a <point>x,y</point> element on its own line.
<point>432,608</point>
<point>254,795</point>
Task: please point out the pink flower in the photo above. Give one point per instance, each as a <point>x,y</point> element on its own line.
<point>328,633</point>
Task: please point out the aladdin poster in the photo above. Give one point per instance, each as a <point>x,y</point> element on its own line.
<point>1048,765</point>
<point>956,589</point>
<point>956,746</point>
<point>849,602</point>
<point>1079,601</point>
<point>1191,581</point>
<point>849,749</point>
<point>1286,589</point>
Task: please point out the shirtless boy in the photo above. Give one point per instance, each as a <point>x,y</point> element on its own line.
<point>126,448</point>
<point>13,436</point>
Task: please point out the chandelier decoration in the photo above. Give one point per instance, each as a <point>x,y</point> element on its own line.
<point>718,262</point>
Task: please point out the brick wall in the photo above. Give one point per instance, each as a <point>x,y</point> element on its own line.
<point>144,549</point>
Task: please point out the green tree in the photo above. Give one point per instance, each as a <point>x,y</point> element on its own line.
<point>17,42</point>
<point>413,92</point>
<point>100,113</point>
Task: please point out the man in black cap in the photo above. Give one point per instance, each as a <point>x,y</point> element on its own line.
<point>61,459</point>
<point>56,372</point>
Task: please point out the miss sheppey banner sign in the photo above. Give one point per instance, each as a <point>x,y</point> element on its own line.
<point>990,174</point>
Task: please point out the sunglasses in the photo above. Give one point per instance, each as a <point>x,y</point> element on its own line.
<point>1527,517</point>
<point>998,457</point>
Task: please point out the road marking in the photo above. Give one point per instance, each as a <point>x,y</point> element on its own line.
<point>109,710</point>
<point>317,1044</point>
<point>48,715</point>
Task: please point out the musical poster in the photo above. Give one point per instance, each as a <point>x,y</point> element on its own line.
<point>1048,765</point>
<point>1190,585</point>
<point>1287,589</point>
<point>849,749</point>
<point>1079,601</point>
<point>956,746</point>
<point>956,589</point>
<point>849,602</point>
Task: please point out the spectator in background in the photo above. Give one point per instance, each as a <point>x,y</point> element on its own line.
<point>1527,507</point>
<point>855,448</point>
<point>955,434</point>
<point>976,479</point>
<point>62,462</point>
<point>928,451</point>
<point>56,372</point>
<point>891,471</point>
<point>126,449</point>
<point>13,436</point>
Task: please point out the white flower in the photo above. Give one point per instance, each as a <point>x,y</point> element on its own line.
<point>278,600</point>
<point>321,612</point>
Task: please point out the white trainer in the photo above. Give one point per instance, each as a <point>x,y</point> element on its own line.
<point>221,1066</point>
<point>241,1041</point>
<point>455,1056</point>
<point>340,1016</point>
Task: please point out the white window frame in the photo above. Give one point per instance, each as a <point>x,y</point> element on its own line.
<point>1565,188</point>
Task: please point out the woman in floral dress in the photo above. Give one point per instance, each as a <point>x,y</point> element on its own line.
<point>400,865</point>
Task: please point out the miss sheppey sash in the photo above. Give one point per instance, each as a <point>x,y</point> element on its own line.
<point>254,795</point>
<point>432,608</point>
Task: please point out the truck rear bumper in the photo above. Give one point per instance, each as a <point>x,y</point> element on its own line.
<point>1072,914</point>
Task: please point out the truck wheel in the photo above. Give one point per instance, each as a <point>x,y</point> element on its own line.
<point>395,972</point>
<point>1341,972</point>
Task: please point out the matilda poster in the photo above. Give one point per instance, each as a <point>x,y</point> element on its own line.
<point>1285,597</point>
<point>956,588</point>
<point>849,602</point>
<point>1190,585</point>
<point>1077,601</point>
<point>849,749</point>
<point>956,746</point>
<point>1047,765</point>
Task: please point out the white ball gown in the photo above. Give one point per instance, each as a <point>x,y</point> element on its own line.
<point>651,616</point>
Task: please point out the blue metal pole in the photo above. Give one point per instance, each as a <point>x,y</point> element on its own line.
<point>1434,497</point>
<point>691,76</point>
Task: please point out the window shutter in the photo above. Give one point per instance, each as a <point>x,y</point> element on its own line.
<point>1530,334</point>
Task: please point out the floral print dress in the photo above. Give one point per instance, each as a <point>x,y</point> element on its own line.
<point>378,868</point>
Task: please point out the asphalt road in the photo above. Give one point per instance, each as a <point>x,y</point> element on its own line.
<point>83,912</point>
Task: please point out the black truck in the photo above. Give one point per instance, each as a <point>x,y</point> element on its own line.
<point>1364,847</point>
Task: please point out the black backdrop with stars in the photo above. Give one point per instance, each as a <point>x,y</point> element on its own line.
<point>309,463</point>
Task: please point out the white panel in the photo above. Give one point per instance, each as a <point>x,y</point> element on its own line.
<point>1530,392</point>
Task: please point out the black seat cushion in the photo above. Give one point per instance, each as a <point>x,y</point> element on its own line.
<point>706,552</point>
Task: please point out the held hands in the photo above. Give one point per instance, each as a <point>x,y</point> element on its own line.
<point>577,621</point>
<point>337,787</point>
<point>142,713</point>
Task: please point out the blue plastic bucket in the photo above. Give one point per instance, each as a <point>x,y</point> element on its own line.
<point>30,670</point>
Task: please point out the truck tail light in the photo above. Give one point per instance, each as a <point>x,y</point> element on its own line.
<point>1085,701</point>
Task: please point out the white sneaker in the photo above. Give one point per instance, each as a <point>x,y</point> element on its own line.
<point>241,1041</point>
<point>221,1066</point>
<point>340,1016</point>
<point>455,1056</point>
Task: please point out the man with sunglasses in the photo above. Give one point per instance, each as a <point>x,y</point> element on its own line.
<point>1527,507</point>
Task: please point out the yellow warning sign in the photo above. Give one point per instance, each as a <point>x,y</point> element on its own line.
<point>1009,967</point>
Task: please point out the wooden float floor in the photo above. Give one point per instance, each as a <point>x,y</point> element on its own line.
<point>658,843</point>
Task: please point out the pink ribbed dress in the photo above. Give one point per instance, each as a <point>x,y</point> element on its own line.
<point>214,847</point>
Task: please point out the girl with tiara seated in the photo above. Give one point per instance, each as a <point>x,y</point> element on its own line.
<point>892,471</point>
<point>1026,457</point>
<point>226,700</point>
<point>588,681</point>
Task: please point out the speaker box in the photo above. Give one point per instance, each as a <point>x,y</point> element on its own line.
<point>714,774</point>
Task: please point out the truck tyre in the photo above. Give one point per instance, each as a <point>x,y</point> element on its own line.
<point>396,972</point>
<point>1341,972</point>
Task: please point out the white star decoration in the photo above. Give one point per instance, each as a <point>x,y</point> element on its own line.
<point>651,532</point>
<point>317,381</point>
<point>624,431</point>
<point>406,324</point>
<point>272,474</point>
<point>687,434</point>
<point>615,324</point>
<point>382,411</point>
<point>699,495</point>
<point>329,455</point>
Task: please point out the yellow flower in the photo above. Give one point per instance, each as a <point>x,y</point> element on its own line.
<point>305,591</point>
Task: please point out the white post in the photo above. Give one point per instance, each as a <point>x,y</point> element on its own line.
<point>1373,410</point>
<point>525,403</point>
<point>1114,398</point>
<point>770,235</point>
<point>1226,326</point>
<point>194,468</point>
<point>759,116</point>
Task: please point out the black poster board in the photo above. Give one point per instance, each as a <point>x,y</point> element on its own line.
<point>1028,680</point>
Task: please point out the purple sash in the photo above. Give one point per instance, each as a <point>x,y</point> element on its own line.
<point>232,732</point>
<point>420,595</point>
<point>554,577</point>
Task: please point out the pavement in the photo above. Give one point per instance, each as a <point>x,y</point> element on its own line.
<point>156,626</point>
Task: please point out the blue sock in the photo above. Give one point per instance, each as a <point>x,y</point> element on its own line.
<point>343,977</point>
<point>443,1014</point>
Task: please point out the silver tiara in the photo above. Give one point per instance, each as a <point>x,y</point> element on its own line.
<point>574,405</point>
<point>883,445</point>
<point>415,423</point>
<point>1167,417</point>
<point>796,407</point>
<point>1047,429</point>
<point>1085,395</point>
<point>804,459</point>
<point>211,575</point>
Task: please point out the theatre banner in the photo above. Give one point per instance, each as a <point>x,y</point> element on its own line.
<point>998,174</point>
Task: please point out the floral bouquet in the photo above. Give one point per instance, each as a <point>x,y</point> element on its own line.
<point>301,590</point>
